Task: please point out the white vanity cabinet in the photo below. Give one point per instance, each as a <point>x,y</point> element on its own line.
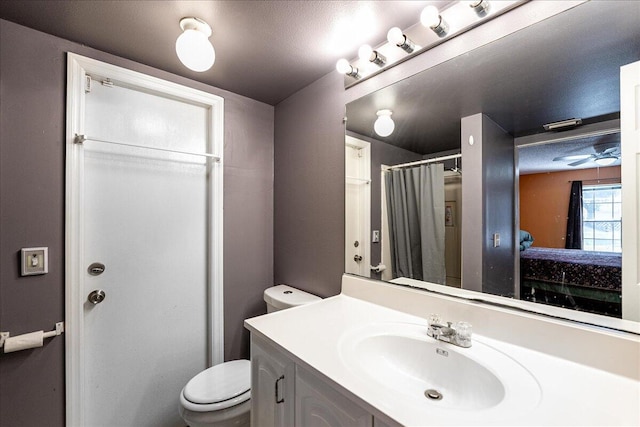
<point>286,395</point>
<point>272,386</point>
<point>317,404</point>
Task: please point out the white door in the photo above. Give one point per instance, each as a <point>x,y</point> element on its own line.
<point>357,207</point>
<point>630,145</point>
<point>143,253</point>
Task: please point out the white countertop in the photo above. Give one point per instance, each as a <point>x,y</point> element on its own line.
<point>572,394</point>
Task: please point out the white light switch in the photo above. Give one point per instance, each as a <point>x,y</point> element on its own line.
<point>375,236</point>
<point>34,261</point>
<point>496,240</point>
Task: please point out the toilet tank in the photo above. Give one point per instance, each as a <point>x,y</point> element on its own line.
<point>280,297</point>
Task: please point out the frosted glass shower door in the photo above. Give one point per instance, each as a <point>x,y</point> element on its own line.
<point>146,219</point>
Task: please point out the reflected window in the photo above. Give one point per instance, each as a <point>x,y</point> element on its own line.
<point>602,218</point>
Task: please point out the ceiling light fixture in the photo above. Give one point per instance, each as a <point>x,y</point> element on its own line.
<point>193,47</point>
<point>343,67</point>
<point>384,125</point>
<point>606,160</point>
<point>397,37</point>
<point>481,8</point>
<point>430,17</point>
<point>366,53</point>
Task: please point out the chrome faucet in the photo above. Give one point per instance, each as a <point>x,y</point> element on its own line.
<point>460,336</point>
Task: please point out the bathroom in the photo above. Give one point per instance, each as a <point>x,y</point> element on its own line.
<point>283,199</point>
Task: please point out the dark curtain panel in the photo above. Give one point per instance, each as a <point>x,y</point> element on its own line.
<point>574,220</point>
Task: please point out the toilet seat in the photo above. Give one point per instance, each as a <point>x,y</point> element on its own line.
<point>219,387</point>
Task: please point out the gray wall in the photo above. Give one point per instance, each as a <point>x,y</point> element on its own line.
<point>499,207</point>
<point>488,194</point>
<point>32,165</point>
<point>309,187</point>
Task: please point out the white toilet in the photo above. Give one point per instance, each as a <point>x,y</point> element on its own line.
<point>220,396</point>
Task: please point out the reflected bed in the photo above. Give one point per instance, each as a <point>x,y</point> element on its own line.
<point>572,278</point>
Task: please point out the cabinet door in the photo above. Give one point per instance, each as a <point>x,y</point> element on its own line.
<point>272,386</point>
<point>318,405</point>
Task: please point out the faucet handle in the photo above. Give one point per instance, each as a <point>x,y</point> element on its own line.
<point>464,330</point>
<point>434,319</point>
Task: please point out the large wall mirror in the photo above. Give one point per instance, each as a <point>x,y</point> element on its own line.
<point>556,197</point>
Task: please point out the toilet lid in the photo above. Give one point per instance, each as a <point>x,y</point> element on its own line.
<point>219,383</point>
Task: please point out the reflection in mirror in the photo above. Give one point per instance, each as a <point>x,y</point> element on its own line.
<point>560,68</point>
<point>571,223</point>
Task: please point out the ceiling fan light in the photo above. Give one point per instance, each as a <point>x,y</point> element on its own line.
<point>606,161</point>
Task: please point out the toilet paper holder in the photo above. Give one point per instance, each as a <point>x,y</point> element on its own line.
<point>59,329</point>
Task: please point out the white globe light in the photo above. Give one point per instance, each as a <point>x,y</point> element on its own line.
<point>365,52</point>
<point>430,17</point>
<point>343,66</point>
<point>384,125</point>
<point>395,36</point>
<point>606,161</point>
<point>195,51</point>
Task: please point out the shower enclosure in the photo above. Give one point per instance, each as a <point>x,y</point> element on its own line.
<point>144,244</point>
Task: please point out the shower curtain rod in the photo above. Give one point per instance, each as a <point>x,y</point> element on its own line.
<point>613,179</point>
<point>79,139</point>
<point>422,162</point>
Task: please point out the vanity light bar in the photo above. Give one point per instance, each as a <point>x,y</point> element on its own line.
<point>401,45</point>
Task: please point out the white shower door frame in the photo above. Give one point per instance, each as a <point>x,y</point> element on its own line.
<point>78,67</point>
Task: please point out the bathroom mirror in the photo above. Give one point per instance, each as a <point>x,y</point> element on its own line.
<point>564,67</point>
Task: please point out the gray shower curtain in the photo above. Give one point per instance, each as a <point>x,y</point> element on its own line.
<point>415,207</point>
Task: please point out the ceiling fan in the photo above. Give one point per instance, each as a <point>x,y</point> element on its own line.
<point>605,155</point>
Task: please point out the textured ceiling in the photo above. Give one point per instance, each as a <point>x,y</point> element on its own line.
<point>540,158</point>
<point>563,67</point>
<point>266,50</point>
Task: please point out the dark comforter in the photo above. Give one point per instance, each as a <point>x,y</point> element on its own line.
<point>601,270</point>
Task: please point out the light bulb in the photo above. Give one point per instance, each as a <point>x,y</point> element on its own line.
<point>384,125</point>
<point>481,7</point>
<point>194,49</point>
<point>343,66</point>
<point>395,36</point>
<point>430,17</point>
<point>365,52</point>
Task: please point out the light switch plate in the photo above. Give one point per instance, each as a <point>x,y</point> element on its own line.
<point>34,261</point>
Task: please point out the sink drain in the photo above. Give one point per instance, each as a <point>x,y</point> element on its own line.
<point>432,394</point>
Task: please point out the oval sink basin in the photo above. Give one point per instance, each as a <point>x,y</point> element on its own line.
<point>402,358</point>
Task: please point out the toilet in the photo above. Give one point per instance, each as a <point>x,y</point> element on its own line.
<point>220,396</point>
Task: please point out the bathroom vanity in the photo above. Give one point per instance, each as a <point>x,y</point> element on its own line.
<point>364,358</point>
